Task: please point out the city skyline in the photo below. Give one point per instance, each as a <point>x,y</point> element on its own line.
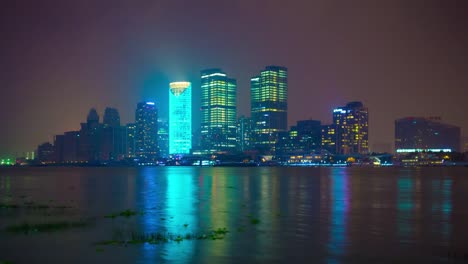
<point>400,61</point>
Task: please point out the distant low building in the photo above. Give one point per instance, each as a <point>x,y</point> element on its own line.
<point>418,134</point>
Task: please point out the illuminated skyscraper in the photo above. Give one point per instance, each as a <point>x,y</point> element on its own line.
<point>180,117</point>
<point>130,131</point>
<point>163,137</point>
<point>269,107</point>
<point>218,112</point>
<point>328,135</point>
<point>352,128</point>
<point>244,133</point>
<point>146,136</point>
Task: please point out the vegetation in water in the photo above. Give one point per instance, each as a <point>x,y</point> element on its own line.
<point>28,228</point>
<point>164,237</point>
<point>127,213</point>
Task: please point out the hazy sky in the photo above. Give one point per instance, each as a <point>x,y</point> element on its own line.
<point>60,58</point>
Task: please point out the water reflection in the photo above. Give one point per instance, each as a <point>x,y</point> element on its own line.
<point>405,207</point>
<point>339,193</point>
<point>441,208</point>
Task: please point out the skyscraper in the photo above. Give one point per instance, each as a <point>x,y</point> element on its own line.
<point>146,136</point>
<point>163,137</point>
<point>111,117</point>
<point>425,134</point>
<point>111,136</point>
<point>328,141</point>
<point>130,144</point>
<point>244,133</point>
<point>269,107</point>
<point>218,112</point>
<point>180,117</point>
<point>352,128</point>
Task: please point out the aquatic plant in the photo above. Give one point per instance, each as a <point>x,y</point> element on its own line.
<point>8,206</point>
<point>127,213</point>
<point>164,237</point>
<point>27,228</point>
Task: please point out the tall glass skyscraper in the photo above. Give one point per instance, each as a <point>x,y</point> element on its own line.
<point>352,128</point>
<point>146,136</point>
<point>269,107</point>
<point>180,117</point>
<point>218,112</point>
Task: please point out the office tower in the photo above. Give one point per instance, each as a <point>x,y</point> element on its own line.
<point>112,136</point>
<point>288,143</point>
<point>425,134</point>
<point>269,107</point>
<point>111,117</point>
<point>352,128</point>
<point>309,135</point>
<point>59,142</point>
<point>45,153</point>
<point>130,132</point>
<point>92,119</point>
<point>146,136</point>
<point>71,142</point>
<point>328,135</point>
<point>163,137</point>
<point>180,117</point>
<point>218,112</point>
<point>244,133</point>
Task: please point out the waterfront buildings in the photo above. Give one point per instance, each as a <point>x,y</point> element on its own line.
<point>351,128</point>
<point>218,112</point>
<point>244,133</point>
<point>163,137</point>
<point>146,131</point>
<point>111,118</point>
<point>413,134</point>
<point>180,117</point>
<point>45,153</point>
<point>328,138</point>
<point>269,107</point>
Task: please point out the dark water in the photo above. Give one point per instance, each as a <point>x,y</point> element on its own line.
<point>307,215</point>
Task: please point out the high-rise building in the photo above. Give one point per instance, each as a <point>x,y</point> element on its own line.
<point>244,133</point>
<point>328,141</point>
<point>269,107</point>
<point>45,153</point>
<point>352,128</point>
<point>413,134</point>
<point>93,118</point>
<point>70,147</point>
<point>112,136</point>
<point>287,143</point>
<point>111,117</point>
<point>163,137</point>
<point>180,117</point>
<point>218,112</point>
<point>146,136</point>
<point>309,135</point>
<point>130,133</point>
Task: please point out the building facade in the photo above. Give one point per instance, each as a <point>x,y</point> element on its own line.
<point>244,133</point>
<point>352,128</point>
<point>218,112</point>
<point>269,107</point>
<point>328,135</point>
<point>413,134</point>
<point>146,134</point>
<point>180,118</point>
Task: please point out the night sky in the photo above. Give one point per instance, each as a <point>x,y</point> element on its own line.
<point>61,58</point>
